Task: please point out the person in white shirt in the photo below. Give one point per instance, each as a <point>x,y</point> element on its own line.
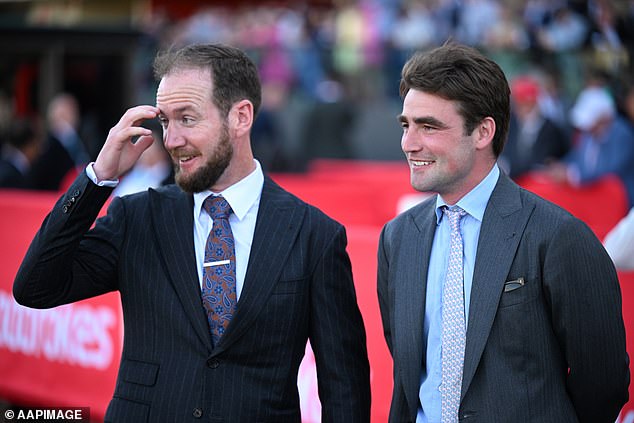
<point>619,243</point>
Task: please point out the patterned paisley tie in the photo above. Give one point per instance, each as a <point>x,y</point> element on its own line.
<point>219,272</point>
<point>453,322</point>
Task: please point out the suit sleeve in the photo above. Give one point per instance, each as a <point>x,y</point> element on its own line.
<point>582,286</point>
<point>382,291</point>
<point>338,337</point>
<point>67,261</point>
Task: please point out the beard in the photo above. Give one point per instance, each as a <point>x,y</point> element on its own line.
<point>206,176</point>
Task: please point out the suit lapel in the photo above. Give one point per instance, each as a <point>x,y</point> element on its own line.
<point>502,226</point>
<point>279,220</point>
<point>410,295</point>
<point>172,216</point>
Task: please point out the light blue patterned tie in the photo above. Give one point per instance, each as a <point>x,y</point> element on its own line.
<point>219,271</point>
<point>453,322</point>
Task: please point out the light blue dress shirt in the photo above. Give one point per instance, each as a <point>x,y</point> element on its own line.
<point>474,203</point>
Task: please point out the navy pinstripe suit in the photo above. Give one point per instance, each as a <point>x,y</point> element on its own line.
<point>298,286</point>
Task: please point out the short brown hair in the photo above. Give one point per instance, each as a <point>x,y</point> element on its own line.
<point>234,76</point>
<point>464,75</point>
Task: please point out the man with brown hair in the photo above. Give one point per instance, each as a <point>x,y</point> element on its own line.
<point>497,305</point>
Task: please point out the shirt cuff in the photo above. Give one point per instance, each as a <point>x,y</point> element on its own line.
<point>93,177</point>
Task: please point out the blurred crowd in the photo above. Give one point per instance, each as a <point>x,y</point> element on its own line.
<point>570,65</point>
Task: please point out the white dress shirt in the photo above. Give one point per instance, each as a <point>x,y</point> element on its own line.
<point>244,199</point>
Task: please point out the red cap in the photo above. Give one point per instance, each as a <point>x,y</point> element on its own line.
<point>525,89</point>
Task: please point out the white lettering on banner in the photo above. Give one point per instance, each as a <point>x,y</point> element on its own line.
<point>77,334</point>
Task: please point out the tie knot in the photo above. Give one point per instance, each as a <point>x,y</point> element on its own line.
<point>454,214</point>
<point>217,207</point>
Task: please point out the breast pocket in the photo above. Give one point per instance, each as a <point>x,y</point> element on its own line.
<point>519,290</point>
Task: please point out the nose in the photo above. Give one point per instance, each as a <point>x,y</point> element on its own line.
<point>409,141</point>
<point>172,138</point>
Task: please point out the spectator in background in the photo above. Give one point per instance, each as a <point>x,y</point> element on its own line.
<point>21,147</point>
<point>534,139</point>
<point>560,40</point>
<point>64,151</point>
<point>329,123</point>
<point>605,144</point>
<point>475,18</point>
<point>626,101</point>
<point>268,137</point>
<point>566,31</point>
<point>619,243</point>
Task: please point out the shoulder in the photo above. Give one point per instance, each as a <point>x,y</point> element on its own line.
<point>274,195</point>
<point>416,216</point>
<point>167,200</point>
<point>622,132</point>
<point>550,221</point>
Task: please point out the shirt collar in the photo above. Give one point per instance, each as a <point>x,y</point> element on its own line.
<point>476,200</point>
<point>240,196</point>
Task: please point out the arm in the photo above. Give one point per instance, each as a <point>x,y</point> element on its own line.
<point>382,291</point>
<point>59,267</point>
<point>338,337</point>
<point>583,290</point>
<point>65,262</point>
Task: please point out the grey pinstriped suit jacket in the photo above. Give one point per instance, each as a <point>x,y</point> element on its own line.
<point>549,351</point>
<point>298,286</point>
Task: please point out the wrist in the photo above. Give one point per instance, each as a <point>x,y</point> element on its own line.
<point>92,174</point>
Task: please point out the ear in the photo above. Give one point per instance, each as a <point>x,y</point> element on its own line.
<point>241,118</point>
<point>485,132</point>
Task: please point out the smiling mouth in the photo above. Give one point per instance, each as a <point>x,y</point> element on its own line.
<point>420,163</point>
<point>185,159</point>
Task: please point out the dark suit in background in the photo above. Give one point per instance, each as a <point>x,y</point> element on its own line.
<point>549,142</point>
<point>63,152</point>
<point>534,139</point>
<point>20,147</point>
<point>10,175</point>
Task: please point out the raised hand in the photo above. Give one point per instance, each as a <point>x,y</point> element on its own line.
<point>119,153</point>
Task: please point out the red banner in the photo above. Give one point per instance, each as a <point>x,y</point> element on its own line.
<point>69,356</point>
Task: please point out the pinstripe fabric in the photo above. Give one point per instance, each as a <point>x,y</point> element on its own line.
<point>298,286</point>
<point>550,351</point>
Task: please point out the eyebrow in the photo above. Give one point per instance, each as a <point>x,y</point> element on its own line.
<point>424,120</point>
<point>178,110</point>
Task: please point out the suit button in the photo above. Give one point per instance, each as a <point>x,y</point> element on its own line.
<point>76,193</point>
<point>213,363</point>
<point>65,208</point>
<point>198,413</point>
